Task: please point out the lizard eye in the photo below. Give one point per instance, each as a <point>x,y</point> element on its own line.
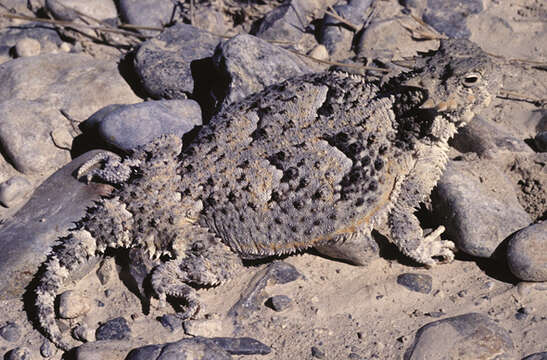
<point>471,79</point>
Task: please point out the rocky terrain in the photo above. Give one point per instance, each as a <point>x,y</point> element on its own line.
<point>79,76</point>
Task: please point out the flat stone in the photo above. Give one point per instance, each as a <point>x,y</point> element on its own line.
<point>28,236</point>
<point>14,190</point>
<point>150,13</point>
<point>421,283</point>
<point>449,18</point>
<point>103,350</point>
<point>468,336</point>
<point>193,348</point>
<point>242,346</point>
<point>114,329</point>
<point>68,9</point>
<point>536,356</point>
<point>527,253</point>
<point>129,126</point>
<point>279,302</point>
<point>249,64</point>
<point>45,34</point>
<point>171,322</point>
<point>478,206</point>
<point>165,63</point>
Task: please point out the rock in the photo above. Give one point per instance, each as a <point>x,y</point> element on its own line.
<point>208,327</point>
<point>416,282</point>
<point>468,336</point>
<point>540,140</point>
<point>194,348</point>
<point>279,302</point>
<point>47,349</point>
<point>139,267</point>
<point>73,304</point>
<point>10,332</point>
<point>317,353</point>
<point>536,356</point>
<point>19,353</point>
<point>45,34</point>
<point>488,140</point>
<point>14,190</point>
<point>150,13</point>
<point>249,64</point>
<point>208,18</point>
<point>76,84</point>
<point>83,333</point>
<point>278,272</point>
<point>27,47</point>
<point>242,346</point>
<point>129,126</point>
<point>106,270</point>
<point>103,350</point>
<point>166,64</point>
<point>449,18</point>
<point>28,236</point>
<point>478,206</point>
<point>287,22</point>
<point>319,52</point>
<point>115,329</point>
<point>171,322</point>
<point>65,9</point>
<point>338,37</point>
<point>527,253</point>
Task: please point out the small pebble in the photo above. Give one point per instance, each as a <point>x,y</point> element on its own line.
<point>279,302</point>
<point>106,270</point>
<point>319,52</point>
<point>83,333</point>
<point>521,314</point>
<point>19,353</point>
<point>317,353</point>
<point>115,329</point>
<point>416,282</point>
<point>72,304</point>
<point>10,332</point>
<point>171,322</point>
<point>27,47</point>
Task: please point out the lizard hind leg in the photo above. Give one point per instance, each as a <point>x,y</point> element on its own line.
<point>205,262</point>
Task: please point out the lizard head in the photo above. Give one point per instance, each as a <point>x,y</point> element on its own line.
<point>453,82</point>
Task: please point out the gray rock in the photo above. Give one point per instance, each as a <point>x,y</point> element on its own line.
<point>194,348</point>
<point>242,346</point>
<point>449,18</point>
<point>540,140</point>
<point>287,22</point>
<point>488,140</point>
<point>27,47</point>
<point>10,332</point>
<point>47,349</point>
<point>68,9</point>
<point>165,63</point>
<point>336,36</point>
<point>151,13</point>
<point>478,206</point>
<point>468,336</point>
<point>19,353</point>
<point>83,333</point>
<point>114,329</point>
<point>317,353</point>
<point>28,236</point>
<point>73,304</point>
<point>279,302</point>
<point>421,283</point>
<point>140,265</point>
<point>171,322</point>
<point>45,34</point>
<point>103,350</point>
<point>14,190</point>
<point>253,297</point>
<point>127,127</point>
<point>536,356</point>
<point>106,270</point>
<point>249,64</point>
<point>76,84</point>
<point>527,253</point>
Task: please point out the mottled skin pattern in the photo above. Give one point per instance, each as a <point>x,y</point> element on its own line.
<point>317,161</point>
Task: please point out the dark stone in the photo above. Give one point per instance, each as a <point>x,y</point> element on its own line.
<point>416,282</point>
<point>28,236</point>
<point>171,322</point>
<point>279,302</point>
<point>287,22</point>
<point>182,349</point>
<point>317,353</point>
<point>150,13</point>
<point>115,329</point>
<point>10,332</point>
<point>148,352</point>
<point>253,297</point>
<point>19,353</point>
<point>541,141</point>
<point>536,356</point>
<point>242,346</point>
<point>527,253</point>
<point>472,336</point>
<point>249,64</point>
<point>139,267</point>
<point>164,63</point>
<point>128,126</point>
<point>449,17</point>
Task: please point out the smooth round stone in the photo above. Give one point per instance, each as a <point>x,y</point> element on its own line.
<point>421,283</point>
<point>468,336</point>
<point>279,302</point>
<point>27,47</point>
<point>527,253</point>
<point>115,329</point>
<point>127,127</point>
<point>72,305</point>
<point>14,189</point>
